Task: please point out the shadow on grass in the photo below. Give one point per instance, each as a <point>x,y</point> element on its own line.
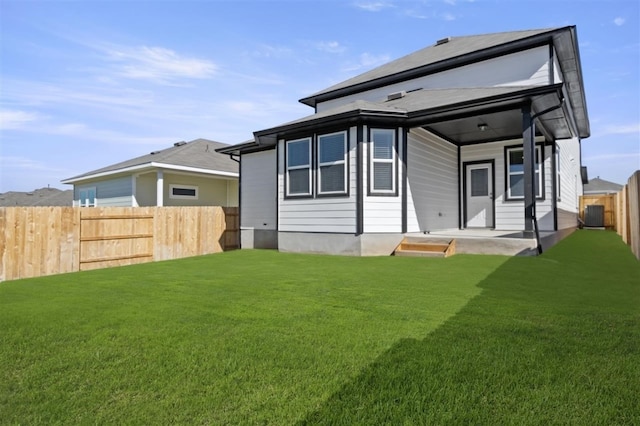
<point>552,339</point>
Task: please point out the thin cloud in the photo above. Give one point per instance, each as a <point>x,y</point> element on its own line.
<point>330,47</point>
<point>619,21</point>
<point>367,61</point>
<point>621,129</point>
<point>24,163</point>
<point>373,6</point>
<point>158,64</point>
<point>448,17</point>
<point>610,157</point>
<point>269,51</point>
<point>16,119</point>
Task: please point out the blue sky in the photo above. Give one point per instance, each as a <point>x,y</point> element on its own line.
<point>85,84</point>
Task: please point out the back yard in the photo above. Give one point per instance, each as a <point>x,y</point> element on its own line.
<point>260,337</point>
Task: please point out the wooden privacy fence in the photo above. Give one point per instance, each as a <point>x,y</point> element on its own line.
<point>36,241</point>
<point>607,201</point>
<point>621,211</point>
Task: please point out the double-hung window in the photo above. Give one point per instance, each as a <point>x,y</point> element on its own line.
<point>87,197</point>
<point>382,161</point>
<point>332,164</point>
<point>298,167</point>
<point>515,173</point>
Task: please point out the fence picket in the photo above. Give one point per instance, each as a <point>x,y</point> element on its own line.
<point>36,241</point>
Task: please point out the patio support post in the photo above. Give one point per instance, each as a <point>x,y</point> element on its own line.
<point>528,147</point>
<point>160,188</point>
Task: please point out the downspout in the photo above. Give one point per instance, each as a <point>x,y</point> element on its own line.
<point>533,134</point>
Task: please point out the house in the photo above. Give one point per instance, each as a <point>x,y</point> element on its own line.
<point>600,186</point>
<point>479,134</point>
<point>40,197</point>
<point>186,174</point>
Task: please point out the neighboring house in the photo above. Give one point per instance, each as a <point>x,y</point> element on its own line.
<point>39,197</point>
<point>474,132</point>
<point>601,186</point>
<point>186,174</point>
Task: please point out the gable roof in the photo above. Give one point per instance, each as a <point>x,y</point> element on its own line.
<point>601,186</point>
<point>459,51</point>
<point>197,156</point>
<point>451,47</point>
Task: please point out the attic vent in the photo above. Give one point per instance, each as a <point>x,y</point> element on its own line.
<point>155,152</point>
<point>443,41</point>
<point>396,95</point>
<point>179,143</point>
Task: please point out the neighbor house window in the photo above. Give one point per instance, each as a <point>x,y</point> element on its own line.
<point>298,167</point>
<point>332,164</point>
<point>515,173</point>
<point>183,192</point>
<point>87,197</point>
<point>382,161</point>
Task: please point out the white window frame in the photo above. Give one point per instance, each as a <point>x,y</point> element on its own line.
<point>509,173</point>
<point>183,197</point>
<point>85,202</point>
<point>304,166</point>
<point>392,161</point>
<point>342,162</point>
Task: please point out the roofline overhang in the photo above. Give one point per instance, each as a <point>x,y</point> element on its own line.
<point>269,137</point>
<point>147,167</point>
<point>443,65</point>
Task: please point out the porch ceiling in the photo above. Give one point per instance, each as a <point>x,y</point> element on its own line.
<point>503,122</point>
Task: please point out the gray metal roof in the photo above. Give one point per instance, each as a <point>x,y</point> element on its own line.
<point>197,154</point>
<point>454,47</point>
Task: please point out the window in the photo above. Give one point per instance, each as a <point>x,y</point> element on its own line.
<point>558,185</point>
<point>515,173</point>
<point>298,164</point>
<point>87,197</point>
<point>480,182</point>
<point>382,167</point>
<point>183,192</point>
<point>332,165</point>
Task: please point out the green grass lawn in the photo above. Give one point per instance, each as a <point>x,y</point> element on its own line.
<point>260,337</point>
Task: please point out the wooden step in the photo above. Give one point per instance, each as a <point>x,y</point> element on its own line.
<point>412,246</point>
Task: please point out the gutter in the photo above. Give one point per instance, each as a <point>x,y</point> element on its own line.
<point>533,130</point>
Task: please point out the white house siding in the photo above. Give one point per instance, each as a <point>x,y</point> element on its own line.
<point>432,189</point>
<point>259,191</point>
<point>382,213</point>
<point>570,183</point>
<point>323,214</point>
<point>509,215</point>
<point>529,67</point>
<point>109,193</point>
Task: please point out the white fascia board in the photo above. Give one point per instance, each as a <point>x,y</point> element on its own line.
<point>149,166</point>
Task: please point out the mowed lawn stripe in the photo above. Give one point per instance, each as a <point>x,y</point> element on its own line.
<point>238,337</point>
<point>551,340</point>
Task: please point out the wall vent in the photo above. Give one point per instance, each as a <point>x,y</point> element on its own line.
<point>443,41</point>
<point>396,95</point>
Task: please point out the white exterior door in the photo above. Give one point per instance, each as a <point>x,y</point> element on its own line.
<point>479,199</point>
